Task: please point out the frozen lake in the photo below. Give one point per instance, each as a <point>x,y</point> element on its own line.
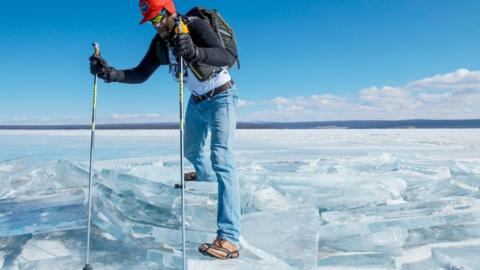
<point>311,199</point>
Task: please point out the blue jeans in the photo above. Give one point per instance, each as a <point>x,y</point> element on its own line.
<point>219,115</point>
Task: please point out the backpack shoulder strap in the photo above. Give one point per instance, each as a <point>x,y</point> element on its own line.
<point>190,19</point>
<point>196,12</point>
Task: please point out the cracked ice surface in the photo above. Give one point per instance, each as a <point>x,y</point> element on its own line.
<point>311,199</point>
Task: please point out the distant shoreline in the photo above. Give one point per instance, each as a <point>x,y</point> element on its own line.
<point>359,124</point>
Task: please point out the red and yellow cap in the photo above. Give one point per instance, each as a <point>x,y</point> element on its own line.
<point>151,8</point>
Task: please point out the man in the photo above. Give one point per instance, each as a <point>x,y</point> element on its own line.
<point>212,106</point>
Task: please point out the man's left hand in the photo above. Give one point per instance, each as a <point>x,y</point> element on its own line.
<point>184,47</point>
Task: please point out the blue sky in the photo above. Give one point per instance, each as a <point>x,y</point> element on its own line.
<point>301,60</point>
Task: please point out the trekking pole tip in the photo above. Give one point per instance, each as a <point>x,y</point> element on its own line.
<point>96,48</point>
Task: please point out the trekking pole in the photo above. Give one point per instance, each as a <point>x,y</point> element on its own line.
<point>96,49</point>
<point>182,28</point>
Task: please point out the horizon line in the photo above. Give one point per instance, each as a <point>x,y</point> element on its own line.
<point>346,124</point>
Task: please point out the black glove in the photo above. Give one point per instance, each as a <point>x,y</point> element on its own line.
<point>184,46</point>
<point>100,67</point>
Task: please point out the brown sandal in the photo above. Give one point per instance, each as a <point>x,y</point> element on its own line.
<point>220,249</point>
<point>187,177</point>
<point>191,176</point>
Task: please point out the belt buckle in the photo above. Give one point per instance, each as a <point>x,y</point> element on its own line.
<point>198,98</point>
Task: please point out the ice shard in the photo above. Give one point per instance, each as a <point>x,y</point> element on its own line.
<point>357,260</point>
<point>458,257</point>
<point>417,215</point>
<point>281,235</point>
<point>63,210</point>
<point>29,178</point>
<point>8,172</point>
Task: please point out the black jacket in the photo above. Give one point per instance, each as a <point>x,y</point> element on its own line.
<point>211,53</point>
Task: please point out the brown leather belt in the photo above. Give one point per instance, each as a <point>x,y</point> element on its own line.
<point>213,92</point>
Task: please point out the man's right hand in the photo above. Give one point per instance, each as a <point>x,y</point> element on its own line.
<point>100,67</point>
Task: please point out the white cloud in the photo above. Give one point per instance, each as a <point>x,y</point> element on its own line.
<point>125,116</point>
<point>152,115</point>
<point>44,120</point>
<point>313,101</point>
<point>386,93</point>
<point>453,95</point>
<point>281,101</point>
<point>142,118</point>
<point>244,103</point>
<point>461,78</point>
<point>21,119</point>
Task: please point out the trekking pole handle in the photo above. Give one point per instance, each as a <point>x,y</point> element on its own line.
<point>96,49</point>
<point>181,27</point>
